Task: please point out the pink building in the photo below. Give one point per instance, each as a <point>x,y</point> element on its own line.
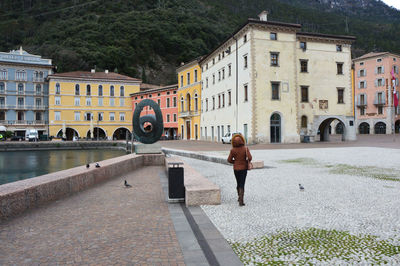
<point>166,97</point>
<point>374,112</point>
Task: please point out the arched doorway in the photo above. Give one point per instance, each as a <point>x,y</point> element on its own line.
<point>275,123</point>
<point>380,128</point>
<point>363,128</point>
<point>339,128</point>
<point>69,132</point>
<point>325,128</point>
<point>396,126</point>
<point>120,133</point>
<point>98,134</point>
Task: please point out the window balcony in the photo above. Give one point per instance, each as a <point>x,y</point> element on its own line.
<point>379,102</point>
<point>188,114</point>
<point>23,122</point>
<point>361,104</point>
<point>35,79</point>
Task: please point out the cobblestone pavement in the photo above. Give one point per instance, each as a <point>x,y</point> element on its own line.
<point>383,141</point>
<point>105,225</point>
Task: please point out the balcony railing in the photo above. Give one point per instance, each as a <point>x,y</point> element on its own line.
<point>23,122</point>
<point>23,107</point>
<point>379,101</point>
<point>38,79</point>
<point>361,104</point>
<point>23,93</point>
<point>188,114</point>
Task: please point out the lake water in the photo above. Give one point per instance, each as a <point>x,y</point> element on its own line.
<point>19,165</point>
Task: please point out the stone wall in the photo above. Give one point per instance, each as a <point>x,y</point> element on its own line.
<point>63,145</point>
<point>20,196</point>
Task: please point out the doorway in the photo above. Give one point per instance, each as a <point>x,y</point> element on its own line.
<point>275,128</point>
<point>187,130</point>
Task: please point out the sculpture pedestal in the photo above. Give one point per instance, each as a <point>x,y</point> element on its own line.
<point>141,148</point>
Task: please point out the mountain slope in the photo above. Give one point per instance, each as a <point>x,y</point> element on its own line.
<point>147,39</point>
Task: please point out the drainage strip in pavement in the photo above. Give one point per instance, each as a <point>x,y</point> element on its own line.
<point>199,239</point>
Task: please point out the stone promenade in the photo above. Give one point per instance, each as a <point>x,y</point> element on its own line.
<point>106,225</point>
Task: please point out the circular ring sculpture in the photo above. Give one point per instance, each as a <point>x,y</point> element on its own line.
<point>151,133</point>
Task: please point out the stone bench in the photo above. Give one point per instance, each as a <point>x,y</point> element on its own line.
<point>198,189</point>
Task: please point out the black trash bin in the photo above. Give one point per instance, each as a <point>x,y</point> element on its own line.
<point>176,188</point>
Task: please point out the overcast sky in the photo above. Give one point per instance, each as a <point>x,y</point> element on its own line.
<point>394,3</point>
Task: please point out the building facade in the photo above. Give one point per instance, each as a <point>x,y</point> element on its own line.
<point>24,92</point>
<point>93,105</point>
<point>375,113</point>
<point>275,84</point>
<point>167,99</point>
<point>189,96</point>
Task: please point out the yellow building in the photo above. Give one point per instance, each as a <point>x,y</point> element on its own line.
<point>189,97</point>
<point>93,105</point>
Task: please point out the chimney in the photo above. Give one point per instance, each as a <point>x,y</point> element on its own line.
<point>93,71</point>
<point>263,16</point>
<point>106,71</point>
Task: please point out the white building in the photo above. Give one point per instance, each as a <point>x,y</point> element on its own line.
<point>274,84</point>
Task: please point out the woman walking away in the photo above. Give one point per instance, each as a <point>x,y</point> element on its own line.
<point>239,156</point>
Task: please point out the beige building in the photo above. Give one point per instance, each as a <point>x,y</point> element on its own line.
<point>276,84</point>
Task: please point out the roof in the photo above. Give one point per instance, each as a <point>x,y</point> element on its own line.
<point>164,88</point>
<point>95,75</point>
<point>147,86</point>
<point>330,36</point>
<point>252,21</point>
<point>183,65</point>
<point>373,54</point>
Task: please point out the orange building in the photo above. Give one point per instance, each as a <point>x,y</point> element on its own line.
<point>167,99</point>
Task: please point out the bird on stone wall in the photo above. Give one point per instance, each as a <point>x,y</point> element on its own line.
<point>301,187</point>
<point>126,184</point>
<point>87,166</point>
<point>97,165</point>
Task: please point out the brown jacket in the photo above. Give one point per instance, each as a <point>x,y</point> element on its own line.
<point>237,156</point>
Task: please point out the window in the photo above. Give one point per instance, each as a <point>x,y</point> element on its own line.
<point>223,100</point>
<point>362,111</point>
<point>206,82</point>
<point>38,102</point>
<point>20,102</point>
<point>112,101</point>
<point>275,90</point>
<point>246,93</point>
<point>380,82</point>
<point>38,116</point>
<point>229,70</point>
<point>379,70</point>
<point>77,101</point>
<point>245,61</point>
<point>340,95</point>
<point>304,121</point>
<point>213,78</point>
<point>121,116</point>
<point>174,117</point>
<point>361,63</point>
<point>77,89</point>
<point>339,68</point>
<point>3,74</point>
<point>223,73</point>
<point>181,82</point>
<point>168,117</point>
<point>88,116</point>
<point>20,88</point>
<point>122,91</point>
<point>379,60</point>
<point>362,73</point>
<point>274,59</point>
<point>213,107</point>
<point>77,116</point>
<point>245,38</point>
<point>88,101</point>
<point>100,116</point>
<point>100,101</point>
<point>182,105</point>
<point>362,85</point>
<point>112,116</point>
<point>20,75</point>
<point>100,90</point>
<point>57,100</point>
<point>219,75</point>
<point>159,102</point>
<point>362,100</point>
<point>338,48</point>
<point>303,46</point>
<point>111,90</point>
<point>168,100</point>
<point>188,78</point>
<point>58,88</point>
<point>2,103</point>
<point>380,110</point>
<point>2,87</point>
<point>57,116</point>
<point>121,102</point>
<point>219,101</point>
<point>303,66</point>
<point>304,94</point>
<point>174,101</point>
<point>273,36</point>
<point>206,105</point>
<point>196,102</point>
<point>229,98</point>
<point>150,96</point>
<point>38,89</point>
<point>88,90</point>
<point>195,75</point>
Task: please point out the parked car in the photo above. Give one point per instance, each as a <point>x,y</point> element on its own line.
<point>228,137</point>
<point>17,138</point>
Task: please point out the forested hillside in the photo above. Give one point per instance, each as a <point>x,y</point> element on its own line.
<point>149,38</point>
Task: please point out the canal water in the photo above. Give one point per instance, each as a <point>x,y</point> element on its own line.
<point>19,165</point>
